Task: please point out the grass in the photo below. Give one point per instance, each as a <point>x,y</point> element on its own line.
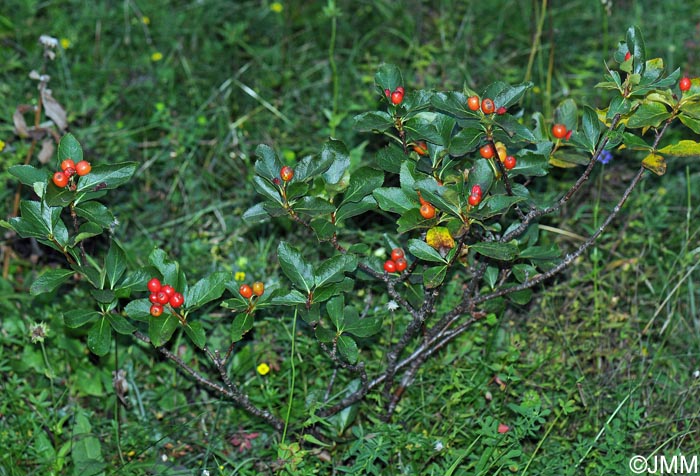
<point>599,367</point>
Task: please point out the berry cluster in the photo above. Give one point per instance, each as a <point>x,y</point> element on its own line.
<point>486,105</point>
<point>69,169</point>
<point>247,291</point>
<point>475,196</point>
<point>395,96</point>
<point>508,161</point>
<point>397,263</point>
<point>559,131</point>
<point>162,295</point>
<point>427,210</point>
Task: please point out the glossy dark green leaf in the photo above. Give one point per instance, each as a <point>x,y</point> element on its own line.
<point>139,310</point>
<point>324,334</point>
<point>411,220</point>
<point>351,209</point>
<point>292,298</point>
<point>454,103</point>
<point>514,130</point>
<point>268,164</point>
<point>443,198</point>
<point>79,317</point>
<point>347,348</point>
<point>69,148</point>
<point>266,189</point>
<point>313,206</point>
<point>335,308</point>
<point>618,105</point>
<point>392,199</point>
<point>161,329</point>
<point>106,176</point>
<point>390,158</point>
<point>361,327</point>
<point>240,326</point>
<point>312,166</point>
<point>334,268</point>
<point>95,212</point>
<point>327,291</point>
<point>256,214</point>
<point>195,332</point>
<point>434,276</point>
<point>362,182</point>
<point>103,296</point>
<point>50,280</point>
<point>635,43</point>
<point>422,250</point>
<point>99,337</point>
<point>520,297</point>
<point>388,76</point>
<point>120,324</point>
<point>169,269</point>
<point>373,121</point>
<point>337,153</point>
<point>566,113</point>
<point>297,269</point>
<point>465,141</point>
<point>85,231</point>
<point>29,175</point>
<point>207,289</point>
<point>509,95</point>
<point>324,228</point>
<point>494,205</point>
<point>481,173</point>
<point>496,250</point>
<point>648,114</point>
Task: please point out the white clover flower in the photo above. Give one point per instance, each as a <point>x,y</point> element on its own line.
<point>438,446</point>
<point>48,41</point>
<point>38,332</point>
<point>392,306</point>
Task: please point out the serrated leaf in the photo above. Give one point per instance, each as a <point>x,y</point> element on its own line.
<point>327,291</point>
<point>509,95</point>
<point>268,164</point>
<point>69,148</point>
<point>242,323</point>
<point>119,324</point>
<point>684,148</point>
<point>632,141</point>
<point>655,163</point>
<point>516,132</point>
<point>139,310</point>
<point>496,205</point>
<point>690,122</point>
<point>454,103</point>
<point>392,199</point>
<point>207,289</point>
<point>106,176</point>
<point>313,206</point>
<point>388,76</point>
<point>50,280</point>
<point>337,153</point>
<point>324,334</point>
<point>373,121</point>
<point>422,250</point>
<point>86,230</point>
<point>79,317</point>
<point>635,44</point>
<point>566,113</point>
<point>433,277</point>
<point>293,264</point>
<point>29,175</point>
<point>95,212</point>
<point>324,228</point>
<point>267,190</point>
<point>362,182</point>
<point>495,250</point>
<point>99,337</point>
<point>390,158</point>
<point>347,348</point>
<point>443,198</point>
<point>161,329</point>
<point>312,166</point>
<point>592,128</point>
<point>195,332</point>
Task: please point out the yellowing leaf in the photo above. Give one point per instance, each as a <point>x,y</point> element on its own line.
<point>684,148</point>
<point>655,163</point>
<point>439,238</point>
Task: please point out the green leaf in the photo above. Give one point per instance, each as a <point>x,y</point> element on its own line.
<point>684,148</point>
<point>34,221</point>
<point>103,296</point>
<point>292,298</point>
<point>347,347</point>
<point>312,166</point>
<point>495,205</point>
<point>327,291</point>
<point>454,103</point>
<point>635,44</point>
<point>373,121</point>
<point>361,327</point>
<point>299,272</point>
<point>434,276</point>
<point>195,332</point>
<point>50,280</point>
<point>324,228</point>
<point>481,173</point>
<point>510,95</point>
<point>99,337</point>
<point>411,220</point>
<point>333,269</point>
<point>336,152</point>
<point>324,334</point>
<point>207,289</point>
<point>690,122</point>
<point>516,132</point>
<point>618,105</point>
<point>465,141</point>
<point>86,230</point>
<point>540,252</point>
<point>169,269</point>
<point>256,214</point>
<point>86,451</point>
<point>632,141</point>
<point>351,209</point>
<point>69,148</point>
<point>648,114</point>
<point>313,206</point>
<point>96,213</point>
<point>336,311</point>
<point>388,76</point>
<point>139,310</point>
<point>161,329</point>
<point>362,182</point>
<point>268,164</point>
<point>79,317</point>
<point>29,175</point>
<point>443,198</point>
<point>106,176</point>
<point>566,113</point>
<point>592,128</point>
<point>422,250</point>
<point>242,323</point>
<point>119,324</point>
<point>390,158</point>
<point>392,199</point>
<point>266,189</point>
<point>495,250</point>
<point>115,264</point>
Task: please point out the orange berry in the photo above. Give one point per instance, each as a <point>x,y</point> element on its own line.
<point>427,211</point>
<point>487,151</point>
<point>67,164</point>
<point>258,288</point>
<point>487,106</point>
<point>559,131</point>
<point>474,103</point>
<point>60,179</point>
<point>245,291</point>
<point>83,167</point>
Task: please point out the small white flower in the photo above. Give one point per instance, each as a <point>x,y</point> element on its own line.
<point>48,41</point>
<point>205,472</point>
<point>696,374</point>
<point>438,446</point>
<point>392,306</point>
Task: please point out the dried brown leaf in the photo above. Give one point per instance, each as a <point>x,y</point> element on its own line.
<point>54,110</point>
<point>47,150</point>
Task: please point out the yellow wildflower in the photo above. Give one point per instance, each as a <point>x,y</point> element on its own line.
<point>263,369</point>
<point>145,20</point>
<point>65,43</point>
<point>276,7</point>
<point>2,145</point>
<point>239,276</point>
<point>157,56</point>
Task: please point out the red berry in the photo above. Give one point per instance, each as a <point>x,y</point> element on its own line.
<point>246,291</point>
<point>421,148</point>
<point>69,172</point>
<point>559,131</point>
<point>162,298</point>
<point>287,173</point>
<point>169,290</point>
<point>387,92</point>
<point>396,97</point>
<point>509,162</point>
<point>487,151</point>
<point>427,211</point>
<point>177,300</point>
<point>156,310</point>
<point>476,189</point>
<point>153,298</point>
<point>474,199</point>
<point>83,167</point>
<point>397,253</point>
<point>568,135</point>
<point>390,266</point>
<point>67,164</point>
<point>503,428</point>
<point>487,106</point>
<point>501,110</point>
<point>474,103</point>
<point>276,181</point>
<point>628,55</point>
<point>258,288</point>
<point>684,84</point>
<point>401,264</point>
<point>154,285</point>
<point>60,179</point>
<point>400,89</point>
